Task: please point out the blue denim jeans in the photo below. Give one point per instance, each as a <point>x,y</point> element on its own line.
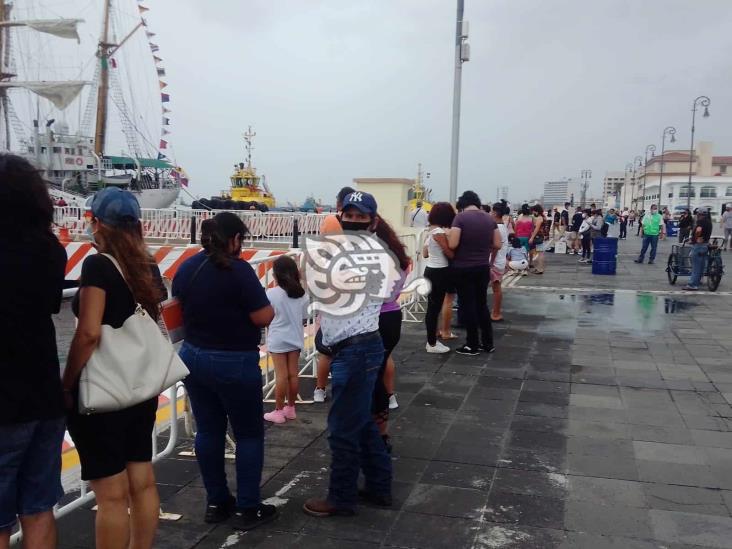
<point>30,468</point>
<point>651,240</point>
<point>698,264</point>
<point>353,436</point>
<point>227,385</point>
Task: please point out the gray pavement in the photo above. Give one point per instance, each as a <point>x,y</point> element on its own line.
<point>603,420</point>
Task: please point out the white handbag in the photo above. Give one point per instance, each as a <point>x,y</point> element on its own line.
<point>131,364</point>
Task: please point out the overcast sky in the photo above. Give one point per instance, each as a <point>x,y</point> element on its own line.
<point>338,89</point>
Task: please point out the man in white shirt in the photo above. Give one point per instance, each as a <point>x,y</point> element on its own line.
<point>418,216</point>
<point>727,226</point>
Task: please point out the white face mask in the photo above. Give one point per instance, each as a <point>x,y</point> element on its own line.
<point>654,211</point>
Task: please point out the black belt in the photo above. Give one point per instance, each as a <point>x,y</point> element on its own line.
<point>359,338</point>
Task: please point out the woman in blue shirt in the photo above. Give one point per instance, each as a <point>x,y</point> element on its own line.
<point>224,309</point>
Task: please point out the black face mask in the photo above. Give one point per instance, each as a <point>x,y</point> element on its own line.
<point>355,225</point>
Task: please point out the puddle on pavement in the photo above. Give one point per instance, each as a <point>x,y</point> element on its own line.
<point>635,312</point>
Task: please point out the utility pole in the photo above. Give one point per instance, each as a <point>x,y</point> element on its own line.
<point>462,54</point>
<point>586,175</point>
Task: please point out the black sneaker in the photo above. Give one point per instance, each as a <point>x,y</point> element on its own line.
<point>637,261</point>
<point>387,443</point>
<point>375,499</point>
<point>650,262</point>
<point>488,348</point>
<point>248,519</point>
<point>468,351</point>
<point>221,512</point>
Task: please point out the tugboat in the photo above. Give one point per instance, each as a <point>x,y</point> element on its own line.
<point>248,190</point>
<point>418,193</point>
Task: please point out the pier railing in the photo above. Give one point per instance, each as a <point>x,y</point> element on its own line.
<point>177,225</point>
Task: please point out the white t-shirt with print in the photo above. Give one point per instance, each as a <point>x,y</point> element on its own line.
<point>285,333</point>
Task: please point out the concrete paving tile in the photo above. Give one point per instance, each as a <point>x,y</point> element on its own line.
<point>525,510</point>
<point>540,424</point>
<point>506,536</point>
<point>532,460</point>
<point>598,429</point>
<point>677,473</point>
<point>607,520</point>
<point>369,525</point>
<point>483,454</point>
<point>621,449</point>
<point>413,530</point>
<point>582,540</point>
<point>531,483</point>
<point>708,423</point>
<point>594,390</point>
<point>471,476</point>
<point>713,439</point>
<point>446,501</point>
<point>656,433</point>
<point>686,499</point>
<point>537,440</point>
<point>545,397</point>
<point>597,414</point>
<point>602,466</point>
<point>669,453</point>
<point>691,528</point>
<point>606,491</point>
<point>542,410</point>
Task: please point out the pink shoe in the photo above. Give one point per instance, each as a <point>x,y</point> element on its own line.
<point>275,416</point>
<point>289,412</point>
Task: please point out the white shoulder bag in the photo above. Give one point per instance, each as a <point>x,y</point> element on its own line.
<point>131,364</point>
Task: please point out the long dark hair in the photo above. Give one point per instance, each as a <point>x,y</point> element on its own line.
<point>287,276</point>
<point>390,238</point>
<point>208,226</point>
<point>26,207</point>
<point>125,243</point>
<point>227,226</point>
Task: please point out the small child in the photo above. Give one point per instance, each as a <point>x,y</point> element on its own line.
<point>518,259</point>
<point>285,336</point>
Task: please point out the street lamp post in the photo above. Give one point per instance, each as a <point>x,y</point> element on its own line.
<point>702,101</point>
<point>462,54</point>
<point>649,149</point>
<point>585,175</point>
<point>628,169</point>
<point>635,164</point>
<point>668,130</point>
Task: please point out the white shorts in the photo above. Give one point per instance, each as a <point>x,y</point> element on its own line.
<point>521,265</point>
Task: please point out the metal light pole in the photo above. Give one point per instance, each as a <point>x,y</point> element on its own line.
<point>668,130</point>
<point>462,54</point>
<point>635,164</point>
<point>585,175</point>
<point>628,169</point>
<point>702,101</point>
<point>649,149</point>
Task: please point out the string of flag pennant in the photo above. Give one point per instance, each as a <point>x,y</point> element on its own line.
<point>164,97</point>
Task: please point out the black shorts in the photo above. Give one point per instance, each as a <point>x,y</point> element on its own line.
<point>390,328</point>
<point>107,442</point>
<point>320,347</point>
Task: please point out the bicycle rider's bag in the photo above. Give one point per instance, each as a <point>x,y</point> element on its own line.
<point>131,364</point>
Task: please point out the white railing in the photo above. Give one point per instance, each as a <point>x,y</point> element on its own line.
<point>86,495</point>
<point>177,224</point>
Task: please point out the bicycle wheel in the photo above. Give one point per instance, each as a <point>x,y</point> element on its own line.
<point>714,274</point>
<point>672,268</point>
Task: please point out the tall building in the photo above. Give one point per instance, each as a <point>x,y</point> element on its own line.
<point>612,186</point>
<point>556,193</point>
<point>502,193</point>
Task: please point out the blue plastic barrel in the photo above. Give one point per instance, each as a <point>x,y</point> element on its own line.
<point>604,256</point>
<point>673,228</point>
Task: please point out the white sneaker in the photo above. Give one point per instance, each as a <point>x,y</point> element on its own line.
<point>437,348</point>
<point>393,404</point>
<point>319,395</point>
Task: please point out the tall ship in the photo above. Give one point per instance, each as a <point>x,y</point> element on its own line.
<point>88,113</point>
<point>418,193</point>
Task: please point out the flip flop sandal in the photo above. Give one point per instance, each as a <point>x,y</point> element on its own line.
<point>447,337</point>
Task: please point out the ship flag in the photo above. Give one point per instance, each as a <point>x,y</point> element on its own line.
<point>163,144</point>
<point>166,121</point>
<point>150,34</point>
<point>166,110</point>
<point>164,97</point>
<point>165,132</point>
<point>161,71</point>
<point>142,8</point>
<point>154,47</point>
<point>163,85</point>
<point>157,59</point>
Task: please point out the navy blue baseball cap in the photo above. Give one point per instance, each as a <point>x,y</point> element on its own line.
<point>114,206</point>
<point>362,201</point>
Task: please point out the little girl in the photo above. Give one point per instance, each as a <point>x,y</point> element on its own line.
<point>285,336</point>
<point>518,259</point>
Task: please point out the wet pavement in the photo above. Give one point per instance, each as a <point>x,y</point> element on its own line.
<point>603,420</point>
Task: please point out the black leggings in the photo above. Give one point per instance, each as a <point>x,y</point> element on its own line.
<point>390,328</point>
<point>441,280</point>
<point>472,288</point>
<point>586,245</point>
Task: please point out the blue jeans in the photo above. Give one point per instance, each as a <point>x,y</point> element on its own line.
<point>353,436</point>
<point>698,264</point>
<point>221,385</point>
<point>651,240</point>
<point>30,468</point>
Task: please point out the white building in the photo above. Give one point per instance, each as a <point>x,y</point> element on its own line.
<point>711,182</point>
<point>612,186</point>
<point>557,193</point>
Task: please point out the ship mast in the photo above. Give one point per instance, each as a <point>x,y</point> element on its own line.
<point>248,145</point>
<point>4,12</point>
<point>100,135</point>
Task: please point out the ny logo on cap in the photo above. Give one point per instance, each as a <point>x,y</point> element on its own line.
<point>356,197</point>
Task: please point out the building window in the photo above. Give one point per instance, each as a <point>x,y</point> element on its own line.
<point>729,191</point>
<point>684,192</point>
<point>723,169</point>
<point>708,191</point>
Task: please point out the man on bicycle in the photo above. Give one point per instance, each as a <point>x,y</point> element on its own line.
<point>700,248</point>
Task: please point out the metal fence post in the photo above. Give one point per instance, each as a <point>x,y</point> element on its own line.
<point>295,234</point>
<point>193,229</point>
